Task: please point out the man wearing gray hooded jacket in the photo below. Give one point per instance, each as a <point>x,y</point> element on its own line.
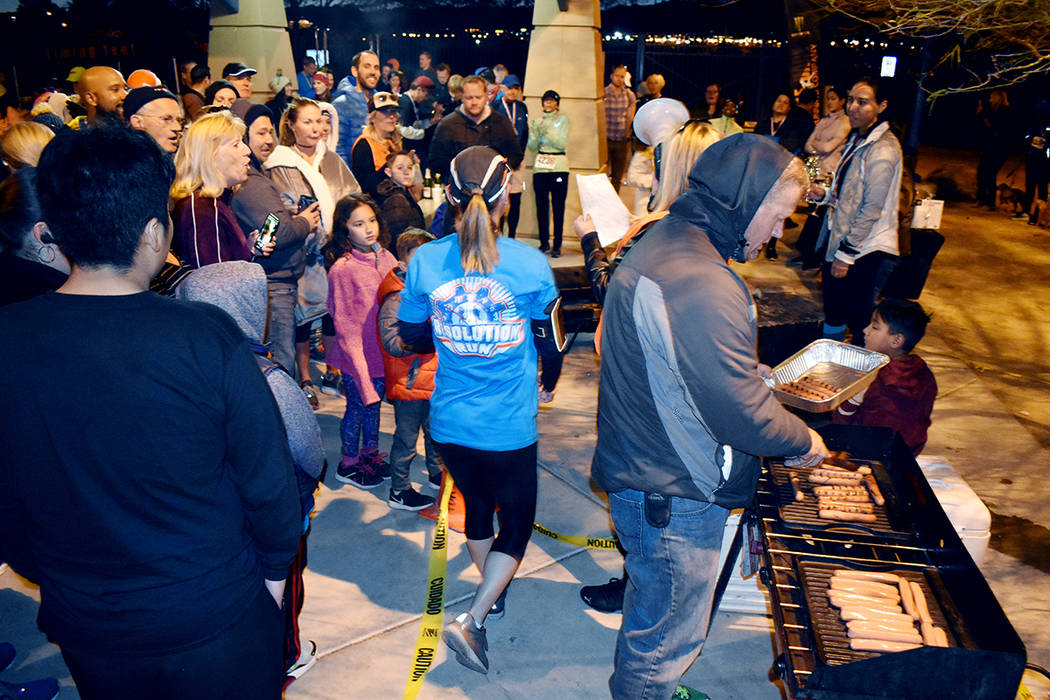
<point>683,415</point>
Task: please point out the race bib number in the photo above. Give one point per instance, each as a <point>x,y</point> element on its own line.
<point>545,161</point>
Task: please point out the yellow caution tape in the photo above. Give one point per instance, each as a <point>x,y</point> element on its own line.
<point>578,540</point>
<point>434,611</point>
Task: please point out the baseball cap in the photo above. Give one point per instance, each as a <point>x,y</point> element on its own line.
<point>512,81</point>
<point>75,73</point>
<point>237,70</point>
<point>423,82</point>
<point>143,77</point>
<point>141,96</point>
<point>384,100</point>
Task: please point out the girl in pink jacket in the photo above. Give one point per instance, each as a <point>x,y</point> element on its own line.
<point>359,262</point>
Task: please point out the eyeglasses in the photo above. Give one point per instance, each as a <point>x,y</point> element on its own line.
<point>166,120</point>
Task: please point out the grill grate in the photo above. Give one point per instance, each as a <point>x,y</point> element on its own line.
<point>804,513</point>
<point>830,631</point>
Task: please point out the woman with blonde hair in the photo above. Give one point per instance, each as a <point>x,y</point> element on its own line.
<point>304,171</point>
<point>211,162</point>
<point>23,143</point>
<point>674,157</point>
<point>482,300</point>
<point>377,141</point>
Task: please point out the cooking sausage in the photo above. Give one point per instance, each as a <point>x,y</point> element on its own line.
<point>895,625</point>
<point>852,612</point>
<point>888,635</point>
<point>843,476</point>
<point>940,637</point>
<point>842,493</point>
<point>907,599</point>
<point>882,576</point>
<point>847,517</point>
<point>796,487</point>
<point>920,603</point>
<point>857,600</point>
<point>858,644</point>
<point>873,487</point>
<point>845,506</point>
<point>868,588</point>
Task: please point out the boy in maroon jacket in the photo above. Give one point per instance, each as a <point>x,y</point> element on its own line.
<point>901,397</point>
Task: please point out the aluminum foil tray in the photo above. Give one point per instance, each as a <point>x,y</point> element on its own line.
<point>846,367</point>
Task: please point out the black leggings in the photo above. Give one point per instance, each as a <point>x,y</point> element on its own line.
<point>550,187</point>
<point>850,300</point>
<point>513,215</point>
<point>490,479</point>
<point>302,333</point>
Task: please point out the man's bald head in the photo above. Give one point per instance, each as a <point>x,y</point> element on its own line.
<point>102,89</point>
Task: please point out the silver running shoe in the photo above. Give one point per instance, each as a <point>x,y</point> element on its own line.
<point>468,641</point>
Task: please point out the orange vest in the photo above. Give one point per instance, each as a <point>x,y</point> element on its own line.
<point>397,369</point>
<point>380,150</point>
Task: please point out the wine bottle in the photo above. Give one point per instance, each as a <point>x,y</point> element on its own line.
<point>428,185</point>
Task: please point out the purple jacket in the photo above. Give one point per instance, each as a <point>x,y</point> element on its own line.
<point>206,231</point>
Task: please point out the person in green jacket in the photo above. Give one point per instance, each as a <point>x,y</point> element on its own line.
<point>550,172</point>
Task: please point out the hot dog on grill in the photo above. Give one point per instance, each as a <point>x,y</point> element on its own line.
<point>796,487</point>
<point>858,644</point>
<point>907,599</point>
<point>881,576</point>
<point>887,635</point>
<point>868,588</point>
<point>842,493</point>
<point>848,613</point>
<point>847,517</point>
<point>855,601</point>
<point>845,506</point>
<point>835,477</point>
<point>873,487</point>
<point>920,603</point>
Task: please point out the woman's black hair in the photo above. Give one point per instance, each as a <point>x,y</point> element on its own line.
<point>340,242</point>
<point>877,86</point>
<point>213,89</point>
<point>19,209</point>
<point>99,188</point>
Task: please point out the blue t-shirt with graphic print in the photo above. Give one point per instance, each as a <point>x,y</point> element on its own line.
<point>485,394</point>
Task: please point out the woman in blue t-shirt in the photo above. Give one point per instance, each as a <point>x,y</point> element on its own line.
<point>482,299</point>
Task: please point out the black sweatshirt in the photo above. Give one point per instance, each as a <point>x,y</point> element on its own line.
<point>146,483</point>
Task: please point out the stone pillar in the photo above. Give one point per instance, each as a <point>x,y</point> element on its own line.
<point>565,55</point>
<point>256,34</point>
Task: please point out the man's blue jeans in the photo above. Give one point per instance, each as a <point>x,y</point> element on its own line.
<point>667,604</point>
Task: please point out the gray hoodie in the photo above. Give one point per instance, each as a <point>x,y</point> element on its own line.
<point>681,409</point>
<point>239,289</point>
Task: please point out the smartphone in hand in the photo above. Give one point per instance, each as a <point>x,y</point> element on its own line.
<point>267,233</point>
<point>305,201</point>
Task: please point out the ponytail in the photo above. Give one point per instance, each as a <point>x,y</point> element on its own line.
<point>477,238</point>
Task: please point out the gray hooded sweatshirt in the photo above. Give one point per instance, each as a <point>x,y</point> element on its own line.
<point>239,289</point>
<point>681,409</point>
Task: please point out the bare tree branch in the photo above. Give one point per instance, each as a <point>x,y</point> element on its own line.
<point>998,42</point>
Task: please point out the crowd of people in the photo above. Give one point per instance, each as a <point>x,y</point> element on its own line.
<point>163,500</point>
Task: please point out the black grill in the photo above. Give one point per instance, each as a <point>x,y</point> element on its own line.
<point>913,539</point>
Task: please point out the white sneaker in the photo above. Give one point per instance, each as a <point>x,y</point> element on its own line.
<point>307,658</point>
